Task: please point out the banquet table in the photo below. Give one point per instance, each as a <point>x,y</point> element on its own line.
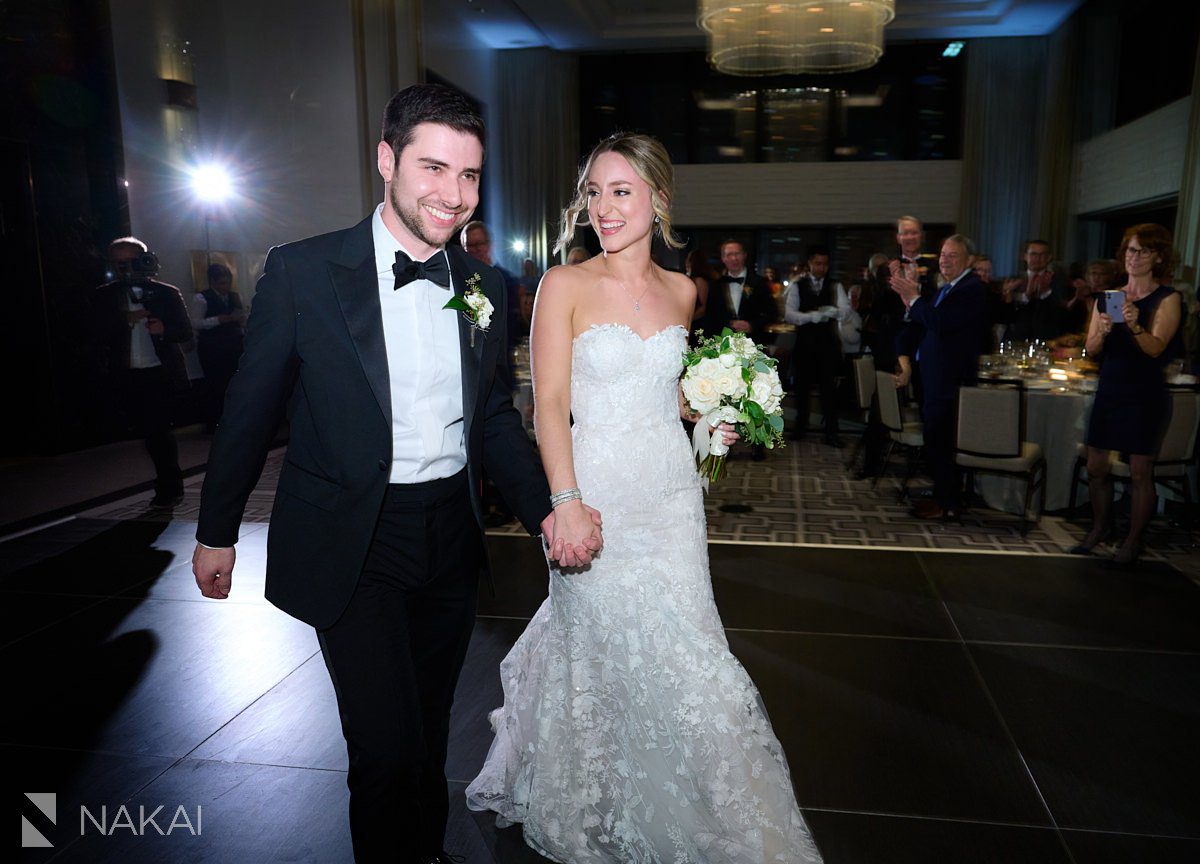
<point>1055,419</point>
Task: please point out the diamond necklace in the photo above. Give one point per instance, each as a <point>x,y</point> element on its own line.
<point>637,301</point>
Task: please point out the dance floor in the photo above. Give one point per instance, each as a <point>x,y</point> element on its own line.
<point>935,706</point>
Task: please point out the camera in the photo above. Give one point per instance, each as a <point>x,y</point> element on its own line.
<point>144,266</point>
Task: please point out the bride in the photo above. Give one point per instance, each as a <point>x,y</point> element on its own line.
<point>629,733</point>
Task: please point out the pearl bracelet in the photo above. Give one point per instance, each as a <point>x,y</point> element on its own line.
<point>572,494</point>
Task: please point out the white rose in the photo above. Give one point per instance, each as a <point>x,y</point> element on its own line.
<point>729,383</point>
<point>762,393</point>
<point>767,391</point>
<point>700,392</point>
<point>707,368</point>
<point>729,360</point>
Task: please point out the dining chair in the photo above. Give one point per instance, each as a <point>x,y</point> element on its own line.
<point>908,434</point>
<point>989,441</point>
<point>864,394</point>
<point>1175,455</point>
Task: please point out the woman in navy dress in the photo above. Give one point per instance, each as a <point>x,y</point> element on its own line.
<point>1131,406</point>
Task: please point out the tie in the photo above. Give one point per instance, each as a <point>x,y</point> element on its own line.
<point>942,294</point>
<point>408,270</point>
<point>740,280</point>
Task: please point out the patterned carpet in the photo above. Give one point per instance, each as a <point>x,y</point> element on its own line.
<point>802,496</point>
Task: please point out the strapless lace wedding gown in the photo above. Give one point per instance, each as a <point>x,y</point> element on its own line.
<point>629,733</point>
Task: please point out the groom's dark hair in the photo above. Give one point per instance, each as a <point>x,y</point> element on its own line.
<point>429,103</point>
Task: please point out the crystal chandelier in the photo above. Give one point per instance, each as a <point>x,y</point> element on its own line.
<point>772,38</point>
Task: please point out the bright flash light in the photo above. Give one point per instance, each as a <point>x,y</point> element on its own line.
<point>953,49</point>
<point>518,245</point>
<point>211,183</point>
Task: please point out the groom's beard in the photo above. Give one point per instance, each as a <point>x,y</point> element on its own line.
<point>411,219</point>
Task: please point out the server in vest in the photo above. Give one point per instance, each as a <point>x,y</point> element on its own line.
<point>816,304</point>
<point>217,318</point>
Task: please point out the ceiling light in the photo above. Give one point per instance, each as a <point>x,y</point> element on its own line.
<point>801,36</point>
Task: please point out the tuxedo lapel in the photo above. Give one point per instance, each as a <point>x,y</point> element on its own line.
<point>357,287</point>
<point>470,348</point>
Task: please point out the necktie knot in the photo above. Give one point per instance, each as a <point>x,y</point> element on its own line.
<point>740,280</point>
<point>407,270</point>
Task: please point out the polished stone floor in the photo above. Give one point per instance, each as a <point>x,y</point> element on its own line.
<point>934,706</point>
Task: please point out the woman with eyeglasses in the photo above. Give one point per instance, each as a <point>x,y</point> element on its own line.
<point>1134,343</point>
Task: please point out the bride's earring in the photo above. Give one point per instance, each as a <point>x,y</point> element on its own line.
<point>657,219</point>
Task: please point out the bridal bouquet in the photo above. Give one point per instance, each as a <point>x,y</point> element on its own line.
<point>727,379</point>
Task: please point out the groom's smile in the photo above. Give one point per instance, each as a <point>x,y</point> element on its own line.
<point>432,186</point>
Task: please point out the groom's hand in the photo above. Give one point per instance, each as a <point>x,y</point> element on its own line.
<point>213,569</point>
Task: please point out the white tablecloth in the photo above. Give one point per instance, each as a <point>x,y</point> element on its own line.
<point>1056,421</point>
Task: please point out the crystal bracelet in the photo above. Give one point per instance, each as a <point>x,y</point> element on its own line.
<point>565,495</point>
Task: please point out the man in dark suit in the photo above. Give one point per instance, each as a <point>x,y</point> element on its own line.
<point>142,324</point>
<point>376,535</point>
<point>887,323</point>
<point>1034,306</point>
<point>952,328</point>
<point>739,300</point>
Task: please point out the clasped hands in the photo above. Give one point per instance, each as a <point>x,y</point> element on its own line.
<point>574,533</point>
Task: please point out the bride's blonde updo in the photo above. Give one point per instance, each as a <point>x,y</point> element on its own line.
<point>650,161</point>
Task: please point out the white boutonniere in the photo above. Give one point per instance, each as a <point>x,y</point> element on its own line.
<point>474,305</point>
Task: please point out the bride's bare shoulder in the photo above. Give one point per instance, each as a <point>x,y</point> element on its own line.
<point>569,278</point>
<point>680,284</point>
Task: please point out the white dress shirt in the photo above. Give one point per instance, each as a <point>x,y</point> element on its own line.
<point>735,290</point>
<point>424,369</point>
<point>141,346</point>
<point>201,320</point>
<point>791,303</point>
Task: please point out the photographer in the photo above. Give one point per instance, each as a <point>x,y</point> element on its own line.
<point>141,324</point>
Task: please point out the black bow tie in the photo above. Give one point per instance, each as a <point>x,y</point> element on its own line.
<point>408,270</point>
<point>740,280</point>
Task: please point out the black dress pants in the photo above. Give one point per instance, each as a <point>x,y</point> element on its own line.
<point>148,401</point>
<point>394,657</point>
<point>939,419</point>
<point>817,365</point>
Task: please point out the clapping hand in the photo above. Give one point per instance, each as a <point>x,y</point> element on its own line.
<point>574,534</point>
<point>908,289</point>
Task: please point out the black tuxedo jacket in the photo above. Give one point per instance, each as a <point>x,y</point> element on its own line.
<point>951,337</point>
<point>758,307</point>
<point>164,302</point>
<point>315,334</point>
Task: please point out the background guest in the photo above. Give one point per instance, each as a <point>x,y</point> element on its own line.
<point>1131,406</point>
<point>217,318</point>
<point>951,329</point>
<point>577,255</point>
<point>739,300</point>
<point>700,272</point>
<point>1036,302</point>
<point>1100,276</point>
<point>817,305</point>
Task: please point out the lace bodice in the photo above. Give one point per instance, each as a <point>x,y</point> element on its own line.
<point>629,444</point>
<point>619,379</point>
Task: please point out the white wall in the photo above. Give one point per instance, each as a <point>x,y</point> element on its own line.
<point>277,99</point>
<point>1140,161</point>
<point>816,193</point>
<point>450,48</point>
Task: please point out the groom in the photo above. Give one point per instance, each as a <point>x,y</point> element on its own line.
<point>376,535</point>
